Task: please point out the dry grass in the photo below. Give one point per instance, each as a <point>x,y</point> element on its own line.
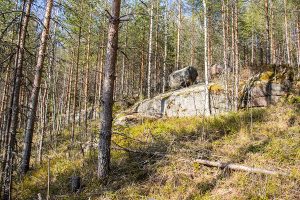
<point>162,165</point>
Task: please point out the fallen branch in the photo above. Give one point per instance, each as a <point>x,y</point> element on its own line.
<point>239,167</point>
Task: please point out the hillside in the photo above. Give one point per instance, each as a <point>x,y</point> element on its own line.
<point>156,159</point>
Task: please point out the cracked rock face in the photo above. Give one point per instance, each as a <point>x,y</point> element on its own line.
<point>264,94</point>
<point>265,89</point>
<point>182,103</point>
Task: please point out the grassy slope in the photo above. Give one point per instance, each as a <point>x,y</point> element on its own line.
<point>162,166</point>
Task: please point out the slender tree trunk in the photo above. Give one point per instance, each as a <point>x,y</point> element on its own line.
<point>156,48</point>
<point>108,88</point>
<point>43,126</point>
<point>150,52</point>
<point>193,42</point>
<point>76,82</point>
<point>177,64</point>
<point>236,51</point>
<point>165,47</point>
<point>209,36</point>
<point>268,36</point>
<point>35,91</point>
<point>252,48</point>
<point>70,86</point>
<point>232,56</point>
<point>207,109</point>
<point>287,41</point>
<point>298,42</point>
<point>225,52</point>
<point>12,122</point>
<point>141,81</point>
<point>123,67</point>
<point>86,83</point>
<point>272,45</point>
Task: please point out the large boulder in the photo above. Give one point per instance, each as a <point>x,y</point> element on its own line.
<point>184,102</point>
<point>183,77</point>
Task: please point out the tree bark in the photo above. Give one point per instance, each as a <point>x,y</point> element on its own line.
<point>12,122</point>
<point>177,64</point>
<point>165,48</point>
<point>156,68</point>
<point>225,52</point>
<point>287,41</point>
<point>108,89</point>
<point>236,55</point>
<point>298,42</point>
<point>268,45</point>
<point>272,45</point>
<point>123,67</point>
<point>76,80</point>
<point>87,74</point>
<point>150,52</point>
<point>206,59</point>
<point>35,91</point>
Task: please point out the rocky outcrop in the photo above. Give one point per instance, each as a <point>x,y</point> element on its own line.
<point>183,78</point>
<point>182,103</point>
<point>265,89</point>
<point>261,90</point>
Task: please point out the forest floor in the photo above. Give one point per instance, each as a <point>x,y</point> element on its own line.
<point>156,159</point>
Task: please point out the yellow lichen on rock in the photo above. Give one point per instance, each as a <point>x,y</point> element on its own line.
<point>266,76</point>
<point>216,88</point>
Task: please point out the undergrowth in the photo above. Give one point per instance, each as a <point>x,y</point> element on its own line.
<point>155,159</point>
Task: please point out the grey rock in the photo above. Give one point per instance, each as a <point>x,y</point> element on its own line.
<point>216,69</point>
<point>264,101</point>
<point>262,94</point>
<point>268,89</point>
<point>182,103</point>
<point>183,77</point>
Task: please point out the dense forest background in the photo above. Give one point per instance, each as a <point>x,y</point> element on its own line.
<point>65,67</point>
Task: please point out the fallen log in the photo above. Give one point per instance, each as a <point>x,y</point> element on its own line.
<point>238,167</point>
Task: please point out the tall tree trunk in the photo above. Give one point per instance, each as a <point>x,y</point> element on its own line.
<point>76,80</point>
<point>177,64</point>
<point>232,56</point>
<point>225,52</point>
<point>236,55</point>
<point>150,52</point>
<point>70,86</point>
<point>108,88</point>
<point>193,35</point>
<point>268,36</point>
<point>156,48</point>
<point>141,78</point>
<point>272,45</point>
<point>165,47</point>
<point>35,91</point>
<point>207,109</point>
<point>44,111</point>
<point>209,34</point>
<point>123,67</point>
<point>12,122</point>
<point>252,48</point>
<point>87,74</point>
<point>298,42</point>
<point>287,41</point>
